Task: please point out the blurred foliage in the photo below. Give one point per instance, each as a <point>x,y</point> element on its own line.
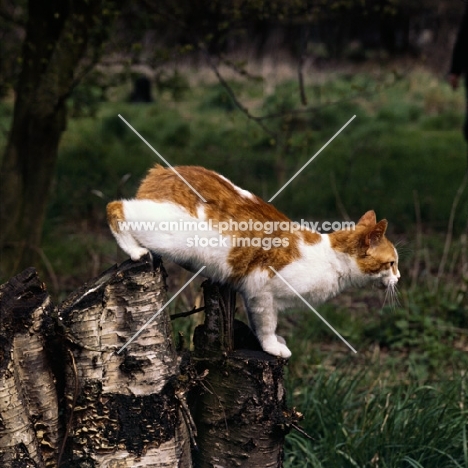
<point>218,98</point>
<point>176,84</point>
<point>396,147</point>
<point>154,33</point>
<point>223,26</point>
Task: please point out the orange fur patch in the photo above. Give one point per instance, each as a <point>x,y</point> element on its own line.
<point>368,218</point>
<point>367,244</point>
<point>310,237</point>
<point>115,214</point>
<point>224,203</point>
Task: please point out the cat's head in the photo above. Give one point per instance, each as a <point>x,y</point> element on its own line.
<point>375,255</point>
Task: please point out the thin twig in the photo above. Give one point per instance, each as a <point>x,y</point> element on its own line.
<point>189,422</point>
<point>48,265</point>
<point>417,256</point>
<point>301,83</point>
<point>239,70</point>
<point>49,268</point>
<point>187,313</point>
<point>301,431</point>
<point>464,267</point>
<point>300,68</point>
<point>361,94</point>
<point>338,200</point>
<point>449,236</point>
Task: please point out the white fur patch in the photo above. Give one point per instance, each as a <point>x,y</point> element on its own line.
<point>242,192</point>
<point>169,230</point>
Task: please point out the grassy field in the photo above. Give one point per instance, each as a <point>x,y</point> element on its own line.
<point>401,401</point>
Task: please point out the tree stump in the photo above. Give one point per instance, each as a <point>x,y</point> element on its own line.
<point>121,409</point>
<point>123,405</point>
<point>240,409</point>
<point>82,385</point>
<point>29,422</point>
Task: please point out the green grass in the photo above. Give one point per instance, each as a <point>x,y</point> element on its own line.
<point>384,423</point>
<point>401,400</point>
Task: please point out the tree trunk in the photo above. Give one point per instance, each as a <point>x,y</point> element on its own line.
<point>58,35</point>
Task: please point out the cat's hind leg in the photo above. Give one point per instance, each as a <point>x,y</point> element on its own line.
<point>263,320</point>
<point>122,232</point>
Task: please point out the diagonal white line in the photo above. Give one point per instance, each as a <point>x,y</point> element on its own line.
<point>312,158</point>
<point>312,309</point>
<point>161,309</point>
<point>157,154</point>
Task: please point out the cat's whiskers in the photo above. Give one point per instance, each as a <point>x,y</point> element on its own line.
<point>391,297</point>
<point>385,298</point>
<point>404,251</point>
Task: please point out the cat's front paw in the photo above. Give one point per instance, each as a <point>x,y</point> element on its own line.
<point>276,348</point>
<point>137,253</point>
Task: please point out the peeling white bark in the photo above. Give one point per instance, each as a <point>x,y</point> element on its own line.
<point>15,426</point>
<point>126,414</point>
<point>28,402</point>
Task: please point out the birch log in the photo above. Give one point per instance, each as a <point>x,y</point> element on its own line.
<point>28,402</point>
<point>123,406</point>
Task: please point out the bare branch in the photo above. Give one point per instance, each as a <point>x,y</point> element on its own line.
<point>240,70</point>
<point>300,70</point>
<point>187,314</point>
<point>449,235</point>
<point>232,94</point>
<point>301,431</point>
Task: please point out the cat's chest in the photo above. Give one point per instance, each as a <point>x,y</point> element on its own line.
<point>317,275</point>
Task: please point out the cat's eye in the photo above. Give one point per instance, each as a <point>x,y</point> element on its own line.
<point>392,263</point>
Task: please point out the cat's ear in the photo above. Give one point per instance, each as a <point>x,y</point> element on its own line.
<point>375,235</point>
<point>368,219</point>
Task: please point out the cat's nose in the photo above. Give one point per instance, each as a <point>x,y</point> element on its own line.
<point>398,274</point>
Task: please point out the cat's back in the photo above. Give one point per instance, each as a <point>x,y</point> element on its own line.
<point>195,187</point>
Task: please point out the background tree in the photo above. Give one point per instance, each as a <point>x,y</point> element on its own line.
<point>62,39</point>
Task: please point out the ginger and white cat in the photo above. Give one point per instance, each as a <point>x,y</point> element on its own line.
<point>242,240</point>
